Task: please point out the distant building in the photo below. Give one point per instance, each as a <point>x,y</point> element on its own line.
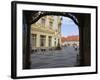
<point>46,32</point>
<point>70,41</point>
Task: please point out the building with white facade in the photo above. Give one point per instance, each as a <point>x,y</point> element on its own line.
<point>46,33</point>
<point>70,41</point>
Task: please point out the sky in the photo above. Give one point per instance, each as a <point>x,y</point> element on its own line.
<point>68,27</point>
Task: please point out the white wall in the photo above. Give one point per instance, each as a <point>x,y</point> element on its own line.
<point>55,23</point>
<point>5,40</point>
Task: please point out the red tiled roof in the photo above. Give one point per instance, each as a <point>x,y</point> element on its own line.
<point>70,38</point>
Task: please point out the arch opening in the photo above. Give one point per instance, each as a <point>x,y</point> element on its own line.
<point>46,38</point>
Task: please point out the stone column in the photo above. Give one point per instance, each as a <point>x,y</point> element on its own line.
<point>52,41</point>
<point>87,40</point>
<point>85,36</point>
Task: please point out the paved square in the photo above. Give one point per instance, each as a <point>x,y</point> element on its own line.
<point>67,57</point>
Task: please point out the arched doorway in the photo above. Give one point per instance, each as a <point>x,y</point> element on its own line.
<point>84,24</point>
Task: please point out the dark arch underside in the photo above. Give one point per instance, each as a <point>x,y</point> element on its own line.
<point>36,15</point>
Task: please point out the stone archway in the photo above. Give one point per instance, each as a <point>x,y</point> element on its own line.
<point>83,22</point>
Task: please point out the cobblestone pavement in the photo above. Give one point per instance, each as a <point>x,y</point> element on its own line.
<point>67,57</point>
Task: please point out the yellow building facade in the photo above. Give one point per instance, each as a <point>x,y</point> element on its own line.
<point>46,33</point>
